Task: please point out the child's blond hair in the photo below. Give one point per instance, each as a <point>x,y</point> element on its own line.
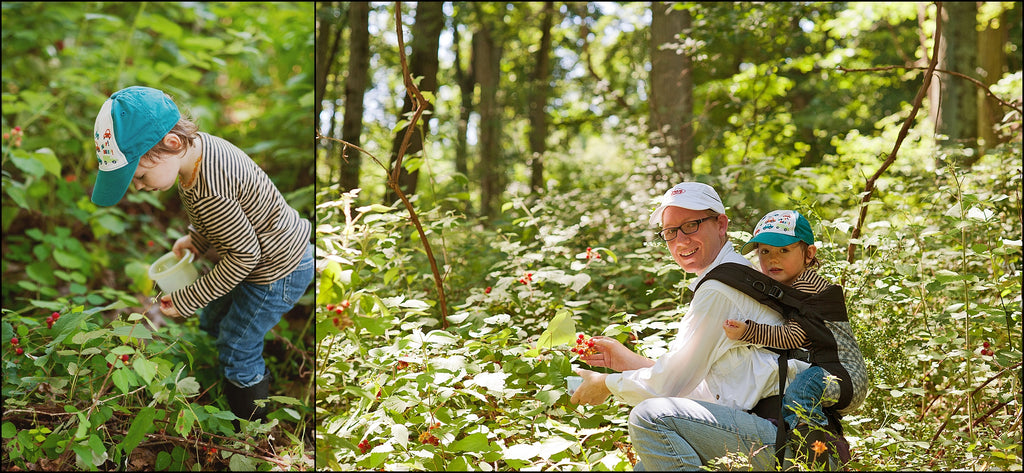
<point>185,129</point>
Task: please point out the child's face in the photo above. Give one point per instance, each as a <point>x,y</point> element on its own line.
<point>784,263</point>
<point>159,176</point>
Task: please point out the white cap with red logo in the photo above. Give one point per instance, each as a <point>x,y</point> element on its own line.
<point>689,195</point>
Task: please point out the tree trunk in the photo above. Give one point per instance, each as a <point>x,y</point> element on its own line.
<point>466,82</point>
<point>487,66</point>
<point>539,100</point>
<point>328,36</point>
<point>991,61</point>
<point>958,47</point>
<point>426,33</point>
<point>355,89</point>
<point>671,100</point>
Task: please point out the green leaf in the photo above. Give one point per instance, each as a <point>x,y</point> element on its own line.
<point>188,386</point>
<point>134,331</point>
<point>141,425</point>
<point>29,166</point>
<point>145,368</point>
<point>122,379</point>
<point>184,421</point>
<point>560,331</point>
<point>41,273</point>
<point>477,442</point>
<point>48,159</point>
<point>286,400</point>
<point>9,430</point>
<point>241,463</point>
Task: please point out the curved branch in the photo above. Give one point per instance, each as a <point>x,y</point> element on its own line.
<point>979,84</point>
<point>418,107</point>
<point>869,186</point>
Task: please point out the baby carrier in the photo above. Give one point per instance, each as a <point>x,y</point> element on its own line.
<point>815,310</point>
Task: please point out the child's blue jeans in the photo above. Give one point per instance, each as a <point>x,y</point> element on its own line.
<point>240,319</point>
<point>803,396</point>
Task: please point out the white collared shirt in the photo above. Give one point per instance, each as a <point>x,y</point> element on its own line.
<point>702,363</point>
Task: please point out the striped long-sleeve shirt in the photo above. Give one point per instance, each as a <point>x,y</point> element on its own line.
<point>788,335</point>
<point>234,207</point>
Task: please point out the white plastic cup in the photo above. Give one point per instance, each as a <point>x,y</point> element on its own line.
<point>573,383</point>
<point>171,273</point>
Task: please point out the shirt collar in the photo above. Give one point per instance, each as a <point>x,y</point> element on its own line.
<point>727,254</point>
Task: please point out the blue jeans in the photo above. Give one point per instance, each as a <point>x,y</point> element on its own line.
<point>803,398</point>
<point>240,319</point>
<point>670,434</point>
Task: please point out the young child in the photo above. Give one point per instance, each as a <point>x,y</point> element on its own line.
<point>265,254</point>
<point>786,252</point>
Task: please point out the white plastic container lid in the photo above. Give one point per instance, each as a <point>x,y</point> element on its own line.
<point>171,273</point>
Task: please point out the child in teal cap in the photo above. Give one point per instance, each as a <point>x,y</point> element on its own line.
<point>265,256</point>
<point>786,252</point>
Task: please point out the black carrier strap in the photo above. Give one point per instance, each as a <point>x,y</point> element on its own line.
<point>786,301</point>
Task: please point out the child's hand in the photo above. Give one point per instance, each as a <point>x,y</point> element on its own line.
<point>182,244</point>
<point>734,328</point>
<point>167,307</point>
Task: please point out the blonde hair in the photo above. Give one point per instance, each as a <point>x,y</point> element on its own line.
<point>185,129</point>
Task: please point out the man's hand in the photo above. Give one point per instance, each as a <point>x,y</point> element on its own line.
<point>593,390</point>
<point>609,353</point>
<point>167,307</point>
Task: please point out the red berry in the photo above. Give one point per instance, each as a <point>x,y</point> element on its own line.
<point>109,365</point>
<point>986,344</point>
<point>345,303</point>
<point>14,341</point>
<point>338,310</point>
<point>125,357</point>
<point>335,320</point>
<point>19,350</point>
<point>55,315</point>
<point>487,290</point>
<point>330,306</point>
<point>150,243</point>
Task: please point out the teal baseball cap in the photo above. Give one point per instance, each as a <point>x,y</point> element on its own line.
<point>129,124</point>
<point>780,228</point>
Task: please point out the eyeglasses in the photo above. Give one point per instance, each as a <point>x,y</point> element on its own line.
<point>669,234</point>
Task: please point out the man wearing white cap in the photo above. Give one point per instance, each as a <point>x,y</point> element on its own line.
<point>691,404</point>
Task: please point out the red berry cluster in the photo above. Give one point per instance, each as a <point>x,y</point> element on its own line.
<point>340,308</point>
<point>487,290</point>
<point>15,342</point>
<point>364,446</point>
<point>591,254</point>
<point>427,437</point>
<point>526,279</point>
<point>15,136</point>
<point>52,319</point>
<point>584,345</point>
<point>986,349</point>
<point>210,452</point>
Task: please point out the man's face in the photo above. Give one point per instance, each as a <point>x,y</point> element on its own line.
<point>696,251</point>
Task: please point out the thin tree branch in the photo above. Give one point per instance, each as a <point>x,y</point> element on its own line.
<point>869,187</point>
<point>976,82</point>
<point>419,106</point>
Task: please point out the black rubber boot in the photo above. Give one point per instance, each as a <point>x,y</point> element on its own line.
<point>242,400</point>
